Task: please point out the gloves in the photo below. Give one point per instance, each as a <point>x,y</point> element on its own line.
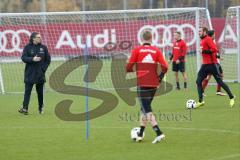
<point>161,76</point>
<point>207,52</point>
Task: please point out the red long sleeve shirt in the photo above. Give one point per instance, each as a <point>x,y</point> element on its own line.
<point>207,43</point>
<point>179,50</point>
<point>146,58</point>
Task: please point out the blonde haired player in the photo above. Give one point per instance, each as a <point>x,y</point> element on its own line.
<point>146,59</point>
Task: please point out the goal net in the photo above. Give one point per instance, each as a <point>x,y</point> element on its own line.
<point>102,39</point>
<point>231,46</point>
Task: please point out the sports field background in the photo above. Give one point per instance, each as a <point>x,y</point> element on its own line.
<point>210,133</point>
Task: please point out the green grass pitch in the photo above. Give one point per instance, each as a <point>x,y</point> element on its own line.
<point>209,133</point>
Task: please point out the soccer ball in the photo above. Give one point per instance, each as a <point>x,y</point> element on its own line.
<point>191,104</point>
<point>134,133</point>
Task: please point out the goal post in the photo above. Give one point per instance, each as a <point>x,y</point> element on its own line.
<point>231,45</point>
<point>1,81</point>
<point>238,41</point>
<point>67,34</point>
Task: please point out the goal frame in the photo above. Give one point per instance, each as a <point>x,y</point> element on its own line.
<point>196,10</point>
<point>237,80</point>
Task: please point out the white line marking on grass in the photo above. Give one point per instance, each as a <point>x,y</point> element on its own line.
<point>203,129</point>
<point>105,127</point>
<point>180,128</point>
<point>226,157</point>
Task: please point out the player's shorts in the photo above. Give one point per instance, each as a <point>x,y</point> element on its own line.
<point>207,69</point>
<point>145,96</point>
<point>178,67</point>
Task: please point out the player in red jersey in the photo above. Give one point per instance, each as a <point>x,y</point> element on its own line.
<point>178,57</point>
<point>146,59</point>
<point>206,80</point>
<point>209,61</point>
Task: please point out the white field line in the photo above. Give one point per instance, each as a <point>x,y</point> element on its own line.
<point>226,157</point>
<point>105,127</point>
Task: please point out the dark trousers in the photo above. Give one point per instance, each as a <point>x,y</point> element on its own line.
<point>214,70</point>
<point>27,95</point>
<point>145,96</point>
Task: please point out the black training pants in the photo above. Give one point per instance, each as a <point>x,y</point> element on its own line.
<point>214,70</point>
<point>27,94</point>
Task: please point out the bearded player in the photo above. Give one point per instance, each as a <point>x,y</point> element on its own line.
<point>209,66</point>
<point>211,34</point>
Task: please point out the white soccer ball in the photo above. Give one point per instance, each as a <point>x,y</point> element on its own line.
<point>134,133</point>
<point>191,104</point>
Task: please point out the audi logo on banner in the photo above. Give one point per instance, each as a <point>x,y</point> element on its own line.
<point>163,34</point>
<point>10,40</point>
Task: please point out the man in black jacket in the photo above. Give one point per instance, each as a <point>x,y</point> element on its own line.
<point>37,60</point>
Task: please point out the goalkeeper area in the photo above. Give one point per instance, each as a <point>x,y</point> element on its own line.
<point>104,40</point>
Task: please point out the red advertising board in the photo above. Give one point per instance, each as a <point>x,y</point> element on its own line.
<point>73,39</point>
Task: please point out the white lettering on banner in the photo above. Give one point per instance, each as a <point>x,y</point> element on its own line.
<point>82,45</point>
<point>65,40</point>
<point>230,35</point>
<point>99,40</point>
<point>167,33</point>
<point>15,40</point>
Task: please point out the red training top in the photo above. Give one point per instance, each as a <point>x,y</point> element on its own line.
<point>207,43</point>
<point>179,50</point>
<point>146,58</point>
